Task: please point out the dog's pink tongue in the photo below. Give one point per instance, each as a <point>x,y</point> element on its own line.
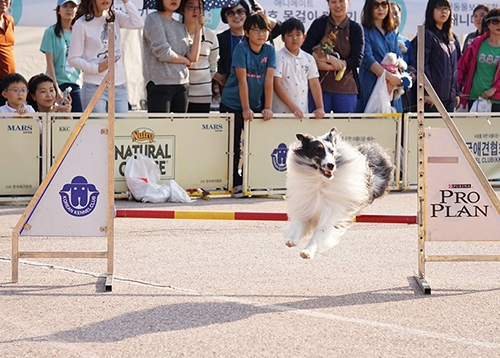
<point>328,173</point>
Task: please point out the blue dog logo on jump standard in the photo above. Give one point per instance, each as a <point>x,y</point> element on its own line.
<point>278,157</point>
<point>79,198</point>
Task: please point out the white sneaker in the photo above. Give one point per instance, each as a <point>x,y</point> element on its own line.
<point>237,191</point>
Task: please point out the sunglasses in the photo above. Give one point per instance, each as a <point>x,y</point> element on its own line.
<point>238,12</point>
<point>383,5</point>
<point>494,21</point>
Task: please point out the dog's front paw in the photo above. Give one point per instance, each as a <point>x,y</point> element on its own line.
<point>306,254</point>
<point>291,243</point>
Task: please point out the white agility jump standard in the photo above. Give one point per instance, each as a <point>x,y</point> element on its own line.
<point>68,201</point>
<point>456,201</point>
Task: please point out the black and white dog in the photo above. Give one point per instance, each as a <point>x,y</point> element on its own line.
<point>329,182</point>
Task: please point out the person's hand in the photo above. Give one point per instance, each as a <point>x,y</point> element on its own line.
<point>248,114</point>
<point>428,100</point>
<point>202,21</point>
<point>488,93</point>
<point>297,112</point>
<point>319,113</point>
<point>392,79</point>
<point>66,107</point>
<point>257,7</point>
<point>220,78</point>
<point>267,113</point>
<point>457,102</point>
<point>103,66</point>
<point>336,63</point>
<point>22,110</point>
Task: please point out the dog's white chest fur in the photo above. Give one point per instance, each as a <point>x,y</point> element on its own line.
<point>328,183</point>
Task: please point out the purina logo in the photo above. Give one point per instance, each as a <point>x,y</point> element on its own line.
<point>212,127</point>
<point>25,128</point>
<point>143,135</point>
<point>79,198</point>
<point>278,157</point>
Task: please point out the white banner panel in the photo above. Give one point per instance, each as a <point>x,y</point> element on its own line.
<point>481,134</point>
<point>268,143</point>
<point>191,150</point>
<point>456,205</point>
<point>75,201</point>
<point>20,147</point>
<point>40,12</point>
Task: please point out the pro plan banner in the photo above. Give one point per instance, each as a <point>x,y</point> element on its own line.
<point>456,206</point>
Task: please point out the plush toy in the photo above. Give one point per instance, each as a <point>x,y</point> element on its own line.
<point>397,66</point>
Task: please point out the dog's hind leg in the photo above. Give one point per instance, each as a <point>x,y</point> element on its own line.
<point>293,232</point>
<point>324,238</point>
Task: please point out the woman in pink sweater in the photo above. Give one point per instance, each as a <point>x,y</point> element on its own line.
<point>479,66</point>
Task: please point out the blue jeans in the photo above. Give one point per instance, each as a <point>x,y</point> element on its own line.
<point>121,98</point>
<point>338,103</point>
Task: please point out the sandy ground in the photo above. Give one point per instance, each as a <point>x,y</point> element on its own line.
<point>199,288</point>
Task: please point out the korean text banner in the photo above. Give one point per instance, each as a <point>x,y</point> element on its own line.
<point>41,12</point>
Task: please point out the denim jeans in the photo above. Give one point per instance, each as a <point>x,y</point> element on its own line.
<point>338,103</point>
<point>121,98</point>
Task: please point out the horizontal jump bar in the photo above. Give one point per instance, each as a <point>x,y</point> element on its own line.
<point>252,216</point>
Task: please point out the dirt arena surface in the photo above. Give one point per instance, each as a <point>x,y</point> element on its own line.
<point>199,288</point>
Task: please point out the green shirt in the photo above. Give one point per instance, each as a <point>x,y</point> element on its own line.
<point>486,67</point>
<point>59,47</point>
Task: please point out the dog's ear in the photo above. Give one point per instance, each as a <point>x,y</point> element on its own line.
<point>332,135</point>
<point>304,138</point>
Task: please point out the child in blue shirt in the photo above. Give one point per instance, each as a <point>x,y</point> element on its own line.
<point>249,87</point>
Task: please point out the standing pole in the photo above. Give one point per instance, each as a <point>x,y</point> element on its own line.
<point>111,157</point>
<point>420,158</point>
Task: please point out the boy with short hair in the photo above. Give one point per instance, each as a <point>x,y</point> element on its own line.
<point>249,87</point>
<point>296,71</point>
<point>15,90</point>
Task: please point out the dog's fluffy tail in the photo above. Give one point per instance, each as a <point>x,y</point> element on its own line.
<point>381,167</point>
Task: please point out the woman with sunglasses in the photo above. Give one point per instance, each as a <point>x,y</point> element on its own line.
<point>339,95</point>
<point>168,51</point>
<point>201,71</point>
<point>380,39</point>
<point>442,52</point>
<point>235,16</point>
<point>479,66</point>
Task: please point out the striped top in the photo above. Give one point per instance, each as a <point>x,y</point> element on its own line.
<point>202,71</point>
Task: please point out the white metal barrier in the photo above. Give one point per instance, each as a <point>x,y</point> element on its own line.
<point>480,131</point>
<point>193,149</point>
<point>22,154</point>
<point>266,144</point>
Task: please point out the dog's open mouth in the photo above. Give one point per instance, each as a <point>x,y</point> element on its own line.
<point>326,173</point>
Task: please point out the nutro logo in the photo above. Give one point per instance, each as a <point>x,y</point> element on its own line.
<point>143,135</point>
